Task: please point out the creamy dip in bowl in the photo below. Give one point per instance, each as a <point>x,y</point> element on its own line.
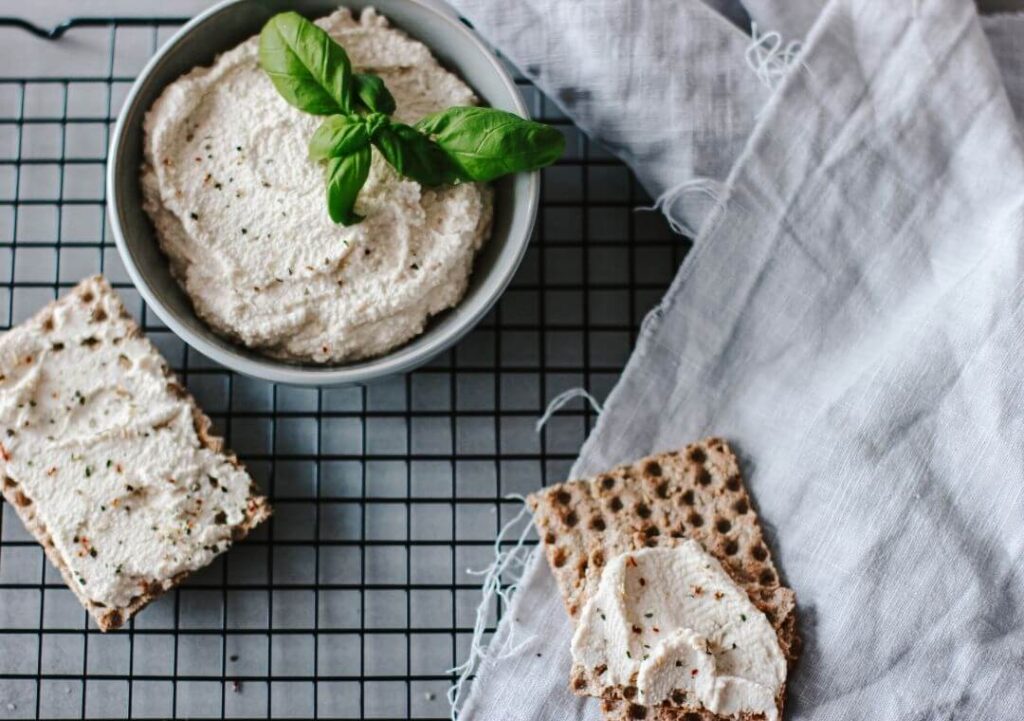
<point>231,209</point>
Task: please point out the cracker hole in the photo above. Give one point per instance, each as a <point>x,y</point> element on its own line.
<point>563,497</point>
<point>651,531</point>
<point>637,711</point>
<point>615,504</point>
<point>608,482</point>
<point>559,557</point>
<point>570,519</point>
<point>597,523</point>
<point>629,692</point>
<point>678,697</point>
<point>703,477</point>
<point>731,548</point>
<point>741,506</point>
<point>579,683</point>
<point>759,552</point>
<point>733,483</point>
<point>642,510</point>
<point>766,577</point>
<point>597,558</point>
<point>723,525</point>
<point>697,455</point>
<point>691,716</point>
<point>687,498</point>
<point>662,489</point>
<point>549,538</point>
<point>581,568</point>
<point>695,519</point>
<point>653,468</point>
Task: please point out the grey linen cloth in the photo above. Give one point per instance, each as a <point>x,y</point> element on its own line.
<point>850,318</point>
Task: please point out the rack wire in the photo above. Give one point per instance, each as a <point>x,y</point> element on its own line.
<point>354,601</point>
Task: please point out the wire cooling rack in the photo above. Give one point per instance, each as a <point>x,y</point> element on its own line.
<point>354,601</point>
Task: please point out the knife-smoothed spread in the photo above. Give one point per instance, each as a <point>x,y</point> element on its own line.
<point>240,209</point>
<point>671,622</point>
<point>104,447</point>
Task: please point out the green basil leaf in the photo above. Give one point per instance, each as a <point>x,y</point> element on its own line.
<point>414,155</point>
<point>370,89</point>
<point>309,69</point>
<point>486,143</point>
<point>345,178</point>
<point>338,135</point>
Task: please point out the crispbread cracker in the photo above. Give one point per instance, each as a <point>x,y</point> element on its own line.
<point>696,493</point>
<point>88,332</point>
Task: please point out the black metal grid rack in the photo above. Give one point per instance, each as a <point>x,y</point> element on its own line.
<point>354,600</point>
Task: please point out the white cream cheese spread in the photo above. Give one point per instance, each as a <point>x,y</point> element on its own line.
<point>671,622</point>
<point>240,209</point>
<point>103,446</point>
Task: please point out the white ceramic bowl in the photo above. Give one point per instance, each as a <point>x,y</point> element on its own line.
<point>221,28</point>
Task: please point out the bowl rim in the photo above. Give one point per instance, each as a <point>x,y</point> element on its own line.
<point>402,358</point>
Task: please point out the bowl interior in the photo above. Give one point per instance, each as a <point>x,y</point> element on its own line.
<point>222,28</point>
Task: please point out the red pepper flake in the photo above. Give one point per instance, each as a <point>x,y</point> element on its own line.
<point>643,581</point>
<point>698,590</point>
<point>719,595</point>
<point>4,452</point>
<point>694,672</point>
<point>655,629</point>
<point>630,561</point>
<point>636,629</point>
<point>52,471</point>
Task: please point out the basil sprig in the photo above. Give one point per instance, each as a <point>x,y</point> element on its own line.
<point>460,144</point>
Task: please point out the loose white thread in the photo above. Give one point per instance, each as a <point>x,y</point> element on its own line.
<point>508,564</point>
<point>665,201</point>
<point>768,57</point>
<point>559,402</point>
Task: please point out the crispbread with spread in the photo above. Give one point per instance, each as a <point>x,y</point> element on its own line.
<point>107,459</point>
<point>696,493</point>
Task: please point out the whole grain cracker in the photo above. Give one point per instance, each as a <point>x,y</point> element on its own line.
<point>695,493</point>
<point>88,297</point>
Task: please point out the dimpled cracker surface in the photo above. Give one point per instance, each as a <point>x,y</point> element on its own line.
<point>694,493</point>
